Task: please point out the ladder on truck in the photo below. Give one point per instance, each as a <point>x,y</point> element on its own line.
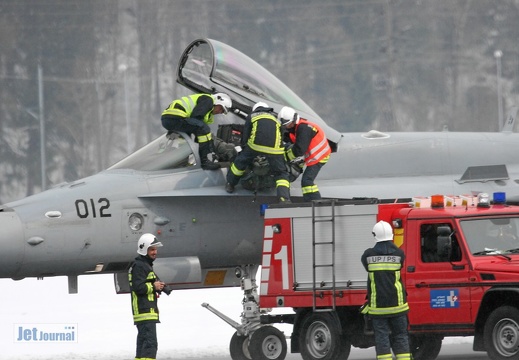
<point>316,243</point>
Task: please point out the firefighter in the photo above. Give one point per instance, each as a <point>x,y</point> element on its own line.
<point>192,114</point>
<point>261,137</point>
<point>310,148</point>
<point>386,305</point>
<point>144,286</point>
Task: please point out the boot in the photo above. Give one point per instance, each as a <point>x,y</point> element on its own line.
<point>229,188</point>
<point>209,165</point>
<point>283,194</point>
<point>205,150</point>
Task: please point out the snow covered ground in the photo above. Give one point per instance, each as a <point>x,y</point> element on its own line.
<point>104,323</point>
<point>104,328</point>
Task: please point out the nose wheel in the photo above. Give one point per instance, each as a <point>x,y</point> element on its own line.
<point>268,343</point>
<point>239,347</point>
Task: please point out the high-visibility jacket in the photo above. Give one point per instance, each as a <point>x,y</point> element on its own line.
<point>309,141</point>
<point>262,133</point>
<point>144,296</point>
<point>386,291</point>
<point>198,106</point>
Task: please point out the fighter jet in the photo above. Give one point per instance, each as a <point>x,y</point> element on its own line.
<point>91,226</point>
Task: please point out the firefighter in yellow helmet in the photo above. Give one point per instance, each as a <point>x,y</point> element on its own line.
<point>192,114</point>
<point>387,301</point>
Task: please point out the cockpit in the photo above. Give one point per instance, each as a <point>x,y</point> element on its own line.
<point>210,66</point>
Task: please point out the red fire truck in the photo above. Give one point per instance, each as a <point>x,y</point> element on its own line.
<point>461,275</point>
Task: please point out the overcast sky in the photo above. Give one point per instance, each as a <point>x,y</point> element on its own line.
<point>104,320</point>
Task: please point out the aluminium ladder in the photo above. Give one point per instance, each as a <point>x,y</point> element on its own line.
<point>326,243</point>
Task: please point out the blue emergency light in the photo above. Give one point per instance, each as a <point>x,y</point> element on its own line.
<point>499,198</point>
<point>263,207</point>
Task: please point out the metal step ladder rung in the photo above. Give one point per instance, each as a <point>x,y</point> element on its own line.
<point>324,243</point>
<point>323,309</point>
<point>323,265</point>
<point>323,220</point>
<point>331,243</point>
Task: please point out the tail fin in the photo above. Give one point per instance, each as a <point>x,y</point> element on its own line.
<point>510,120</point>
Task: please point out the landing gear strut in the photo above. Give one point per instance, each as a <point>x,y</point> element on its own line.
<point>252,340</point>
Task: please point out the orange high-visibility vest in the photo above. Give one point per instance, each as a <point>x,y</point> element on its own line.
<point>318,148</point>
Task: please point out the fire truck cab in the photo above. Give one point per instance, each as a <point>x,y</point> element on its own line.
<point>461,274</point>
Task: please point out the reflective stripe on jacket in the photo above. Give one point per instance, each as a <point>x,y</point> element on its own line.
<point>184,107</point>
<point>309,139</point>
<point>386,291</point>
<point>143,295</point>
<point>265,134</point>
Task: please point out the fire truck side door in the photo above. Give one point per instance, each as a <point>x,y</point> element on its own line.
<point>437,277</point>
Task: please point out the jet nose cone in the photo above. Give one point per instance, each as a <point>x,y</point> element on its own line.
<point>11,243</point>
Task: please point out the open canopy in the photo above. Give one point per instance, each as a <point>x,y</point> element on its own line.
<point>210,66</point>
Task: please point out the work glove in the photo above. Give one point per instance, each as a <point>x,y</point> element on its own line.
<point>298,161</point>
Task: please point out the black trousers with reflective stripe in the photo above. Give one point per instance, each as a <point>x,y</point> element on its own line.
<point>190,126</point>
<point>277,168</point>
<point>391,333</point>
<point>146,340</point>
<point>308,180</point>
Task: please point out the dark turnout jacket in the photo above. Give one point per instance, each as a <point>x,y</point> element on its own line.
<point>262,132</point>
<point>386,290</point>
<point>144,297</point>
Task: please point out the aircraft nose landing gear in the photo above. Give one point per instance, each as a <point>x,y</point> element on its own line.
<point>252,339</point>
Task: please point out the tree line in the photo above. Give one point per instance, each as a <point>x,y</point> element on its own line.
<point>108,70</point>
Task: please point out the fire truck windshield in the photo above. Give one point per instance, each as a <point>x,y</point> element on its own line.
<point>492,236</point>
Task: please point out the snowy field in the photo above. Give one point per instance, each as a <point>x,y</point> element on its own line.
<point>104,322</point>
<point>105,328</point>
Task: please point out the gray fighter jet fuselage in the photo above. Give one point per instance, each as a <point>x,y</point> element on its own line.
<point>92,225</point>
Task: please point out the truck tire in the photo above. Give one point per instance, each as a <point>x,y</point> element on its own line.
<point>268,343</point>
<point>320,338</point>
<point>239,347</point>
<point>501,334</point>
<point>425,347</point>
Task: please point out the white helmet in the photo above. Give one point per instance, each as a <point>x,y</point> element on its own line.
<point>287,115</point>
<point>224,100</point>
<point>382,231</point>
<point>259,105</point>
<point>145,241</point>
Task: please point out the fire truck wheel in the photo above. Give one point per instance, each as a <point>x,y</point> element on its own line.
<point>239,347</point>
<point>502,333</point>
<point>268,343</point>
<point>320,338</point>
<point>425,347</point>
